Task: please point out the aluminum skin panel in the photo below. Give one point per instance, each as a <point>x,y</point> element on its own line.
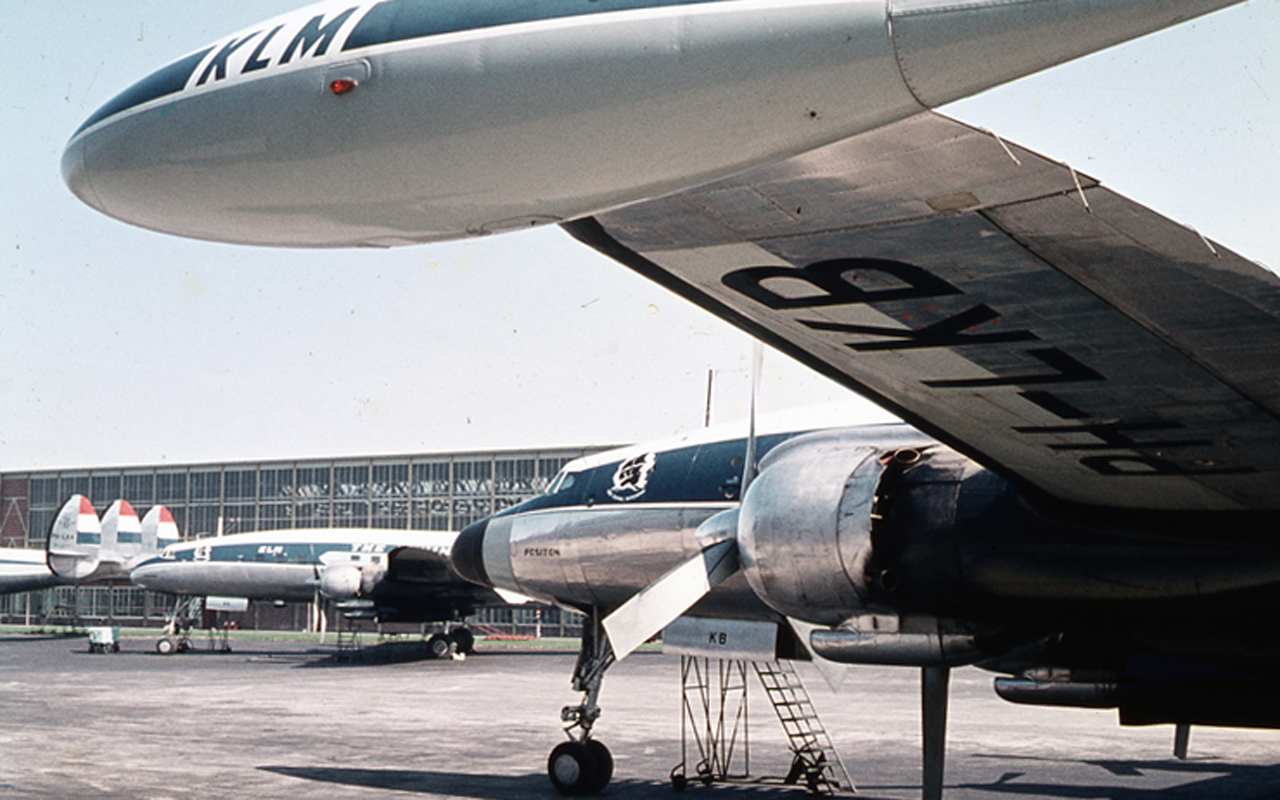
<point>702,637</point>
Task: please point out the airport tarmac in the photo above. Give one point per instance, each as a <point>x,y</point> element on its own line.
<point>284,720</point>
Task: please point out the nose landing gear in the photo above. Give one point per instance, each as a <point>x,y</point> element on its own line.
<point>580,767</point>
<point>584,765</point>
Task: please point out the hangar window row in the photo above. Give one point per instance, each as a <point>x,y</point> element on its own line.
<point>422,492</point>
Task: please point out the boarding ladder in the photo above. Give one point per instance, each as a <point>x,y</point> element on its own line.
<point>348,634</point>
<point>815,761</point>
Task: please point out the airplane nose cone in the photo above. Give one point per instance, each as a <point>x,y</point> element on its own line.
<point>149,575</point>
<point>76,176</point>
<point>468,553</point>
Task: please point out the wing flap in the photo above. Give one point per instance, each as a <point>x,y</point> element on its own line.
<point>1042,324</point>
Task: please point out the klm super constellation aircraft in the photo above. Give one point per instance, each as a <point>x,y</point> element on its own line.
<point>1091,501</point>
<point>391,576</point>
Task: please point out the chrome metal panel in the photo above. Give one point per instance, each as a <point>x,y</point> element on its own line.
<point>585,556</point>
<point>805,530</point>
<point>898,649</point>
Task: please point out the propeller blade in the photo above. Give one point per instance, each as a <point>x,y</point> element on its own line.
<point>832,672</point>
<point>655,606</point>
<point>513,598</point>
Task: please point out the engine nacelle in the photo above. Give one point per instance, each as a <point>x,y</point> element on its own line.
<point>805,530</point>
<point>340,582</point>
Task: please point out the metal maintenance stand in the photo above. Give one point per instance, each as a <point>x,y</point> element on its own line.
<point>713,710</point>
<point>713,713</point>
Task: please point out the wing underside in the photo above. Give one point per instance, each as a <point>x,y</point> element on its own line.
<point>1017,310</point>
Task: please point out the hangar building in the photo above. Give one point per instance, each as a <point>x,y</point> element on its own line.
<point>431,491</point>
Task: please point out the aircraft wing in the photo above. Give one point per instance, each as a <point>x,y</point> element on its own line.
<point>1047,327</point>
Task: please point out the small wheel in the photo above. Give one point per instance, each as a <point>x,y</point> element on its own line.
<point>115,647</point>
<point>572,768</point>
<point>679,782</point>
<point>604,765</point>
<point>438,646</point>
<point>183,645</point>
<point>464,639</point>
<point>165,646</point>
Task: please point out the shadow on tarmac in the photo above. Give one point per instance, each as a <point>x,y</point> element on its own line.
<point>1220,779</point>
<point>510,787</point>
<point>482,787</point>
<point>399,653</point>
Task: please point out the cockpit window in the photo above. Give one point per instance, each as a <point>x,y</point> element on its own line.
<point>561,482</point>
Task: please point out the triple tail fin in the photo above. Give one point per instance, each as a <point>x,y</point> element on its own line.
<point>74,540</point>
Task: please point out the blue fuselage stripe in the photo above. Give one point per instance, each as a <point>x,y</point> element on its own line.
<point>169,80</point>
<point>386,23</point>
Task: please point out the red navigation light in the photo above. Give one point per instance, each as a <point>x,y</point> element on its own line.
<point>341,85</point>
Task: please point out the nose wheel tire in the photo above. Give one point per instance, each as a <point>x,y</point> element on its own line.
<point>578,768</point>
<point>604,765</point>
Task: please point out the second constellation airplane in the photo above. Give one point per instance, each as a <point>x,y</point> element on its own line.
<point>1096,498</point>
<point>392,576</point>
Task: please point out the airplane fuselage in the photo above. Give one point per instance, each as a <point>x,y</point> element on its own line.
<point>388,123</point>
<point>403,573</point>
<point>384,123</point>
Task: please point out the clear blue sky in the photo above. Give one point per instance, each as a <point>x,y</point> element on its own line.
<point>122,346</point>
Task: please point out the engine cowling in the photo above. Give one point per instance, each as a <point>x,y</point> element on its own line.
<point>340,582</point>
<point>806,522</point>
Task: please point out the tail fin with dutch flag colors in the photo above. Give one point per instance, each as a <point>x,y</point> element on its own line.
<point>158,530</point>
<point>121,533</point>
<point>75,540</point>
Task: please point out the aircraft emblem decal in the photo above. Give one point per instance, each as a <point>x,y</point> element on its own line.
<point>632,478</point>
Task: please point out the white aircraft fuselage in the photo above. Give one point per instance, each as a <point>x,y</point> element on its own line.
<point>400,574</point>
<point>23,570</point>
<point>384,123</point>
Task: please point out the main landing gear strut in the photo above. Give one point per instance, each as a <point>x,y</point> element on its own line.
<point>583,765</point>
